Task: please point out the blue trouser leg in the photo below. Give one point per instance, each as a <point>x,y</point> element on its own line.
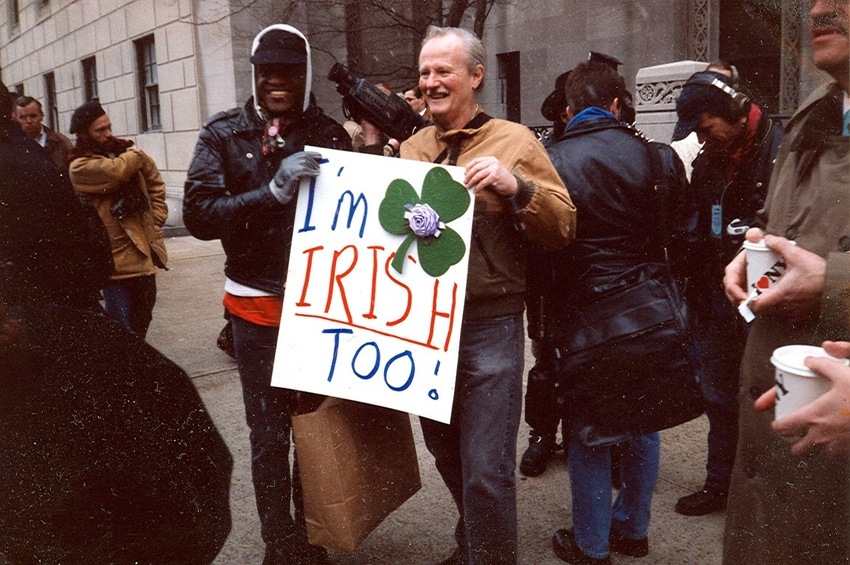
<point>639,462</point>
<point>130,302</point>
<point>476,453</point>
<point>590,483</point>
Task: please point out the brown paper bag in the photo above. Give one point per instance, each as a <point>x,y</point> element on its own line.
<point>358,463</point>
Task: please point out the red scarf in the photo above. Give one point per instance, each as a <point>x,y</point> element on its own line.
<point>744,145</point>
<point>85,147</point>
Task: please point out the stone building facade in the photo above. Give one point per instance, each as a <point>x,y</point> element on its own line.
<point>161,67</point>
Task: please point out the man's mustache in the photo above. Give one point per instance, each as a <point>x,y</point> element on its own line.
<point>833,20</point>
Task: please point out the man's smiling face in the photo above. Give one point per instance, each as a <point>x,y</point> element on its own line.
<point>280,88</point>
<point>447,81</point>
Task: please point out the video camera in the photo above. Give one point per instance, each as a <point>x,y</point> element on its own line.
<point>363,100</point>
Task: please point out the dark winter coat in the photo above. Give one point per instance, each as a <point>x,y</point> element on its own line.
<point>624,231</point>
<point>107,452</point>
<point>738,199</point>
<point>52,248</point>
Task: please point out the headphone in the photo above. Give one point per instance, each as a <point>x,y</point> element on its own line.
<point>711,79</point>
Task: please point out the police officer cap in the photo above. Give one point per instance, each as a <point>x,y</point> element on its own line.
<point>603,58</point>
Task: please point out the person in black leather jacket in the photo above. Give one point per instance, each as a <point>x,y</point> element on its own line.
<point>730,179</point>
<point>627,224</point>
<point>240,189</point>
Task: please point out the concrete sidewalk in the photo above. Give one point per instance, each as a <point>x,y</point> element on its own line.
<point>187,319</point>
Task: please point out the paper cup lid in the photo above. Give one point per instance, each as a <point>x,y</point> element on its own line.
<point>791,358</point>
<point>758,246</point>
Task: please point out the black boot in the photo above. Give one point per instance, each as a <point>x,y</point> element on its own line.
<point>535,459</point>
<point>700,503</point>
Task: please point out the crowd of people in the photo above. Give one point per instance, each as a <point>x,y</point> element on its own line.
<point>625,254</point>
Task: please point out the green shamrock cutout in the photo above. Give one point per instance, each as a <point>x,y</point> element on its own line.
<point>404,212</point>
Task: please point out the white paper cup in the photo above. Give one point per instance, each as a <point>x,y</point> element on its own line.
<point>764,267</point>
<point>796,384</point>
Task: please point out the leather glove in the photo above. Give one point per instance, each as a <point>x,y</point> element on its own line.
<point>290,172</point>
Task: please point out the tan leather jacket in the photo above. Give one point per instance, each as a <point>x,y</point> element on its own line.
<point>541,213</point>
<point>138,246</point>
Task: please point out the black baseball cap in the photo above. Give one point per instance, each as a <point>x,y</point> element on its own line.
<point>279,46</point>
<point>698,96</point>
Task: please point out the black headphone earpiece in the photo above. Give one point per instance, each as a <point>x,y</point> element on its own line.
<point>711,79</point>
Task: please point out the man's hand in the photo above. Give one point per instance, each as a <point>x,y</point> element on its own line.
<point>488,172</point>
<point>825,423</point>
<point>290,172</point>
<point>798,292</point>
<point>371,134</point>
<point>735,275</point>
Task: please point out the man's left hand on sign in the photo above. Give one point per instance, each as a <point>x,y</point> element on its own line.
<point>291,171</point>
<point>489,172</point>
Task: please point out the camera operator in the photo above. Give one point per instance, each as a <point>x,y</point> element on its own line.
<point>381,143</point>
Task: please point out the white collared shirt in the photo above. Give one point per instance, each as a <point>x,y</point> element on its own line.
<point>42,139</point>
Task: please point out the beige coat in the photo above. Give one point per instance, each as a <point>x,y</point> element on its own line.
<point>138,246</point>
<point>782,508</point>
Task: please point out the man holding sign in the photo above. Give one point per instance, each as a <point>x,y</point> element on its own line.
<point>246,169</point>
<point>520,201</point>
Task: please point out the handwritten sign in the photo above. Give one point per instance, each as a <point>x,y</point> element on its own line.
<point>375,290</point>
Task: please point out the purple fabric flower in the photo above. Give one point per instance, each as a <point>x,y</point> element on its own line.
<point>423,220</point>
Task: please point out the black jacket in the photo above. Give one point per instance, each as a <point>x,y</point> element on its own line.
<point>623,230</point>
<point>53,249</point>
<point>227,194</point>
<point>612,316</point>
<point>115,437</point>
<point>739,198</point>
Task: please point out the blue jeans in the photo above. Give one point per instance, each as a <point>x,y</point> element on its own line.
<point>267,411</point>
<point>590,482</point>
<point>476,453</point>
<point>720,336</point>
<point>130,302</point>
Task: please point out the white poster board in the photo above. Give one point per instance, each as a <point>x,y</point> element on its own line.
<point>355,327</point>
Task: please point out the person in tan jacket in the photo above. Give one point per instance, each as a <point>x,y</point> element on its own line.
<point>520,203</point>
<point>123,184</point>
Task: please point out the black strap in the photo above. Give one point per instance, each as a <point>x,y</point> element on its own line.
<point>660,190</point>
<point>453,150</point>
